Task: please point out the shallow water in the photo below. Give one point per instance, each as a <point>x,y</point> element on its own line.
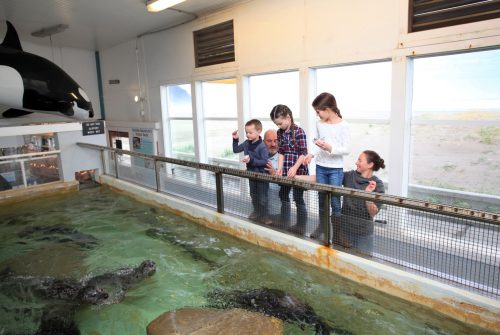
<point>114,231</point>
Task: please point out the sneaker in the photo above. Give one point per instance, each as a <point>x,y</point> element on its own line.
<point>296,230</point>
<point>342,241</point>
<point>267,220</point>
<point>253,216</point>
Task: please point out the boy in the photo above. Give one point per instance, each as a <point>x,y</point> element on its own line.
<point>256,156</point>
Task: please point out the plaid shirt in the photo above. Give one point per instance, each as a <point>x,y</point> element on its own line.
<point>292,148</point>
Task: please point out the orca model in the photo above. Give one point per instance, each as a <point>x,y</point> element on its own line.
<point>30,83</point>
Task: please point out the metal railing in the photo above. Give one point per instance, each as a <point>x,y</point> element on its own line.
<point>457,245</point>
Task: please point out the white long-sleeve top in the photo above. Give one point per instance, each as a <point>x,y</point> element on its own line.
<point>339,137</point>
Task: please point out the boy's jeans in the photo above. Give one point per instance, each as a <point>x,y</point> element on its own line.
<point>258,193</point>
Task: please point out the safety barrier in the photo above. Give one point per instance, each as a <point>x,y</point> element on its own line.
<point>456,245</point>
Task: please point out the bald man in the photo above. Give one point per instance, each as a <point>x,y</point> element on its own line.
<point>271,142</point>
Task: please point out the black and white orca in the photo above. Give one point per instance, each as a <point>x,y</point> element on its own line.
<point>30,83</point>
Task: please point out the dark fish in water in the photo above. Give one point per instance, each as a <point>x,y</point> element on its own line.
<point>273,302</point>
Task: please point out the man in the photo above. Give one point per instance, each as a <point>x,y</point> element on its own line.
<point>271,141</point>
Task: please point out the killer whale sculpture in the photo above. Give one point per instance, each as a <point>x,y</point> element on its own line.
<point>63,296</point>
<point>272,302</point>
<point>30,83</point>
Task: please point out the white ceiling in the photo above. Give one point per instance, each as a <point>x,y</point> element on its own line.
<point>97,24</point>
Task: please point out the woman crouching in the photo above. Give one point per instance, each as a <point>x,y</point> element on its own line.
<point>357,215</point>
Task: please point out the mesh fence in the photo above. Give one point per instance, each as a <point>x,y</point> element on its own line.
<point>458,246</point>
<point>189,183</point>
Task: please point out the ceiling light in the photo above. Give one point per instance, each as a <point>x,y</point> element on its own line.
<point>159,5</point>
<point>49,31</point>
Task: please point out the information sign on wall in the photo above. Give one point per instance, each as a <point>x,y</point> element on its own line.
<point>93,128</point>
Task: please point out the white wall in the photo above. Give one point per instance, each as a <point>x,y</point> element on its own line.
<point>120,63</point>
<point>75,158</point>
<point>272,35</point>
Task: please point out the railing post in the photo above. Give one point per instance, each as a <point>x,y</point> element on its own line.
<point>116,164</point>
<point>23,173</point>
<point>220,192</point>
<point>325,217</point>
<point>157,174</point>
<point>103,162</point>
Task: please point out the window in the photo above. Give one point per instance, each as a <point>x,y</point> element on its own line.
<point>363,94</point>
<point>455,131</point>
<point>220,119</point>
<point>179,122</point>
<point>269,90</point>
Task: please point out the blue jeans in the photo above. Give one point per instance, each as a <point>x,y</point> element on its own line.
<point>298,197</point>
<point>363,243</point>
<point>330,176</point>
<point>258,193</point>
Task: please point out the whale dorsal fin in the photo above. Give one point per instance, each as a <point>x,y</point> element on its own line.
<point>8,36</point>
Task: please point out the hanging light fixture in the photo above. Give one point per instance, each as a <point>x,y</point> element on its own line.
<point>49,31</point>
<point>159,5</point>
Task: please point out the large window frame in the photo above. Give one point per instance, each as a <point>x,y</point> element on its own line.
<point>452,194</point>
<point>169,118</point>
<point>232,159</point>
<point>280,92</point>
<point>359,120</point>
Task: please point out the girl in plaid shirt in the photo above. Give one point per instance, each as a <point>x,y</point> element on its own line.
<point>292,150</point>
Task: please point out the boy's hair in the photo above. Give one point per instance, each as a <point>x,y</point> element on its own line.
<point>256,123</point>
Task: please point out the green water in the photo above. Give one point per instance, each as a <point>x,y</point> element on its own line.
<point>191,262</point>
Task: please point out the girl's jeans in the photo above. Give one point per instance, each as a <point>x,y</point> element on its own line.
<point>330,176</point>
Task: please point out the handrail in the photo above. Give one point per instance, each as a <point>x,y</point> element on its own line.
<point>459,212</point>
<point>30,154</point>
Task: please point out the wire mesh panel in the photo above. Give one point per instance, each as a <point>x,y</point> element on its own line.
<point>188,183</point>
<point>456,245</point>
<point>290,209</point>
<point>109,163</point>
<point>12,173</point>
<point>138,170</point>
<point>460,251</point>
<point>41,170</point>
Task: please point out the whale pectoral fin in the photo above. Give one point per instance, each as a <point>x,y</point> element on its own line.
<point>66,108</point>
<point>12,113</point>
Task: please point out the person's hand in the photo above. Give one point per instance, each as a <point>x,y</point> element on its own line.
<point>269,168</point>
<point>245,159</point>
<point>372,184</point>
<point>235,135</point>
<point>279,172</point>
<point>323,145</point>
<point>292,172</point>
<point>307,159</point>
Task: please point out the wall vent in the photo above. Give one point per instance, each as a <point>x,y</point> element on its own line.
<point>214,44</point>
<point>431,14</point>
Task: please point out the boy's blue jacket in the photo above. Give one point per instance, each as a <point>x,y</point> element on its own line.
<point>257,151</point>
